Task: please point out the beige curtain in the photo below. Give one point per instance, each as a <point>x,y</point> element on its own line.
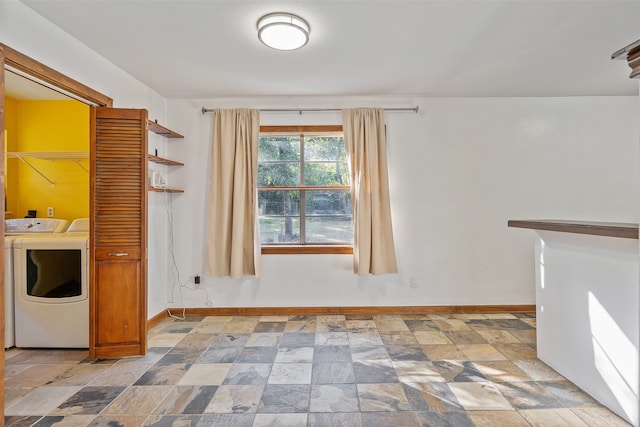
<point>365,141</point>
<point>232,239</point>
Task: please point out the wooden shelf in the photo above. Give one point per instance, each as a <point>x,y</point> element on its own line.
<point>163,161</point>
<point>167,133</point>
<point>165,190</point>
<point>161,130</point>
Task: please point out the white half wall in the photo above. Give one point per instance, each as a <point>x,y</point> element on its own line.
<point>459,170</point>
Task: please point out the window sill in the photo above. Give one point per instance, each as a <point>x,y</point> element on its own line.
<point>306,249</point>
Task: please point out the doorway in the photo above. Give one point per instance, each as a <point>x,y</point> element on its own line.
<point>18,63</point>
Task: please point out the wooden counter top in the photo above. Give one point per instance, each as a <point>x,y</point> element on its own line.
<point>609,229</point>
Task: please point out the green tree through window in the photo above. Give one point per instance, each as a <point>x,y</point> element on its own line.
<point>304,194</point>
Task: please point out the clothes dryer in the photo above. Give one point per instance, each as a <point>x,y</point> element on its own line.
<point>51,283</point>
<point>15,228</point>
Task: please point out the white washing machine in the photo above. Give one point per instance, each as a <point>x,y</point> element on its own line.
<point>15,228</point>
<point>51,284</point>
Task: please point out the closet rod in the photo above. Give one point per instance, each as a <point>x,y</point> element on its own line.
<point>313,110</point>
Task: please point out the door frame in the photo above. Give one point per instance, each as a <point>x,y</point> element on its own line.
<point>43,74</point>
<point>38,71</point>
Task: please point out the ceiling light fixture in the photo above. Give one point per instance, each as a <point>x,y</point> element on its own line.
<point>283,31</point>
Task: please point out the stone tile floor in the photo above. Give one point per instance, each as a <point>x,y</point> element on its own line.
<point>382,370</point>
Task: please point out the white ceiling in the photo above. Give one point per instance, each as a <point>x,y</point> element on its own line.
<point>203,49</point>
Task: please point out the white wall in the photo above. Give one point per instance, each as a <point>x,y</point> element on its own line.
<point>26,31</point>
<point>459,169</point>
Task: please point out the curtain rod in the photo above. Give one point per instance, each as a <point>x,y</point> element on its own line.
<point>310,110</point>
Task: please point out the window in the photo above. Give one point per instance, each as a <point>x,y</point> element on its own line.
<point>304,189</point>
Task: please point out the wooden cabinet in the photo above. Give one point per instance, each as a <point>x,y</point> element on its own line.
<point>167,133</point>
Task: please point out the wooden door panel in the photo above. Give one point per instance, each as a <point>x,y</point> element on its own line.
<point>119,231</point>
<point>118,316</point>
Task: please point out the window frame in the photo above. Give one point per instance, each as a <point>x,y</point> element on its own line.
<point>283,249</point>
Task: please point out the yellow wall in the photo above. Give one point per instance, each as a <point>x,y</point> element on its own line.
<point>43,126</point>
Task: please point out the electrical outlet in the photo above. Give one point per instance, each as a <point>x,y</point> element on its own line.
<point>50,211</point>
<point>196,282</point>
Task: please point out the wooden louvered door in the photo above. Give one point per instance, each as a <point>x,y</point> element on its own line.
<point>119,229</point>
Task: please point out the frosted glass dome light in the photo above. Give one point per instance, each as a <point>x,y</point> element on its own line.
<point>283,31</point>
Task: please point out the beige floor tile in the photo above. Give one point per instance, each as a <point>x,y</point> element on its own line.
<point>11,353</point>
<point>431,337</point>
<point>552,418</point>
<point>80,375</point>
<point>331,326</point>
<point>378,317</point>
<point>274,318</point>
<point>300,326</point>
<point>480,352</point>
<point>469,316</point>
<point>206,374</point>
<point>138,400</point>
<point>49,356</point>
<point>600,417</point>
<point>538,370</point>
<point>221,319</point>
<point>498,336</point>
<point>497,419</point>
<point>500,316</point>
<point>360,324</point>
<point>14,394</point>
<point>209,328</point>
<point>36,375</point>
<point>382,397</point>
<point>501,371</point>
<point>391,325</point>
<point>451,325</point>
<point>40,400</point>
<point>330,318</point>
<point>443,352</point>
<point>441,316</point>
<point>121,374</point>
<point>11,370</point>
<point>519,351</point>
<point>527,336</point>
<point>479,397</point>
<point>267,339</point>
<point>164,339</point>
<point>240,326</point>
